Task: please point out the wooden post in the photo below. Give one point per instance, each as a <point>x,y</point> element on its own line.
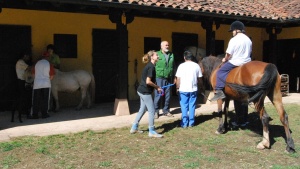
<point>121,19</point>
<point>210,27</point>
<point>273,31</point>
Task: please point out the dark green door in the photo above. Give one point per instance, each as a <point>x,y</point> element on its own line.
<point>13,41</point>
<point>105,64</point>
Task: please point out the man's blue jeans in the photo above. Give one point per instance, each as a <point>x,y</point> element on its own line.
<point>188,105</point>
<point>162,82</point>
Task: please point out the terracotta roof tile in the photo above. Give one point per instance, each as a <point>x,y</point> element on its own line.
<point>269,9</point>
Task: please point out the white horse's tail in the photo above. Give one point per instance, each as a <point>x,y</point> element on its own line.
<point>92,88</point>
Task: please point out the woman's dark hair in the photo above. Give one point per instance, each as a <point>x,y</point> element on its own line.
<point>23,53</point>
<point>188,55</point>
<point>50,46</point>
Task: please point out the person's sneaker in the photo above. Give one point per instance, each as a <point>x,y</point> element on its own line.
<point>45,116</point>
<point>218,95</point>
<point>156,115</point>
<point>234,124</point>
<point>244,124</point>
<point>32,117</point>
<point>184,127</point>
<point>155,135</point>
<point>168,114</point>
<point>132,131</point>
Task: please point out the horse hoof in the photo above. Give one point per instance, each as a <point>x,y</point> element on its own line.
<point>260,146</point>
<point>290,150</point>
<point>217,132</point>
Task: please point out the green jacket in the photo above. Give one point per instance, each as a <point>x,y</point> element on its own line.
<point>164,70</point>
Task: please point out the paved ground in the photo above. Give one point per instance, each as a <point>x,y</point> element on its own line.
<point>99,117</point>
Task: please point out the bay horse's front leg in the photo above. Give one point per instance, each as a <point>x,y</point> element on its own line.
<point>222,124</point>
<point>265,118</point>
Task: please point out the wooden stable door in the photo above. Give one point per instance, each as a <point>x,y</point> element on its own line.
<point>13,41</point>
<point>105,64</point>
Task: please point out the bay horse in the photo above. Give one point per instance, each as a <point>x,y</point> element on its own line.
<point>251,82</point>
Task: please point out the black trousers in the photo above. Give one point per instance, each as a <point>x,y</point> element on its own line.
<point>40,103</point>
<point>24,98</point>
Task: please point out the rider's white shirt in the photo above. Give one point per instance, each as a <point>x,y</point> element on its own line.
<point>240,48</point>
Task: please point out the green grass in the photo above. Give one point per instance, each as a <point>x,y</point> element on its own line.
<point>197,147</point>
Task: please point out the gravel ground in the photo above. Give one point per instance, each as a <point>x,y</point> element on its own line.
<point>99,117</point>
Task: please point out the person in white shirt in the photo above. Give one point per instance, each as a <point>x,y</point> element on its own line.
<point>21,67</point>
<point>238,53</point>
<point>188,76</point>
<point>43,74</point>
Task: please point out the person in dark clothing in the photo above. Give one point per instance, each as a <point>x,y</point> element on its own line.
<point>145,90</point>
<point>21,66</point>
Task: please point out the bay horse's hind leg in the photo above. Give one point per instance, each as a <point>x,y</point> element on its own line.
<point>285,122</point>
<point>265,143</point>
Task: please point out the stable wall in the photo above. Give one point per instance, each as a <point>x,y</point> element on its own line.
<point>44,24</point>
<point>289,33</point>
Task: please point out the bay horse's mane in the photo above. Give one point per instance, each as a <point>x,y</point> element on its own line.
<point>209,64</point>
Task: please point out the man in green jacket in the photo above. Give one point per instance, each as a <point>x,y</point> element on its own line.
<point>164,74</point>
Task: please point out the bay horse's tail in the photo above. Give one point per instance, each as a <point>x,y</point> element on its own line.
<point>267,83</point>
<point>92,88</point>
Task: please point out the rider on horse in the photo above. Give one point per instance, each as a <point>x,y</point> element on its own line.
<point>238,53</point>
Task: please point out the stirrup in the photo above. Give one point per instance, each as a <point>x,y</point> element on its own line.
<point>218,95</point>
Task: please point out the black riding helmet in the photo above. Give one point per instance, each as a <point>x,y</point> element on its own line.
<point>236,25</point>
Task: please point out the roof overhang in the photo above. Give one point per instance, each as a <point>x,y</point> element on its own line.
<point>104,7</point>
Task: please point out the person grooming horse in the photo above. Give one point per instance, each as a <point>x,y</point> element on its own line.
<point>43,74</point>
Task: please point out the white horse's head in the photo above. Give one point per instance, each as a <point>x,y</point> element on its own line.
<point>199,53</point>
<point>28,76</point>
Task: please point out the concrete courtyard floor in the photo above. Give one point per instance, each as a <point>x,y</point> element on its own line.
<point>97,118</point>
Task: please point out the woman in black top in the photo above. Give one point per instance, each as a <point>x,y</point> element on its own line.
<point>145,90</point>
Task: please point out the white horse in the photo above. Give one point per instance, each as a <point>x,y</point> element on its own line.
<point>198,53</point>
<point>71,82</point>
